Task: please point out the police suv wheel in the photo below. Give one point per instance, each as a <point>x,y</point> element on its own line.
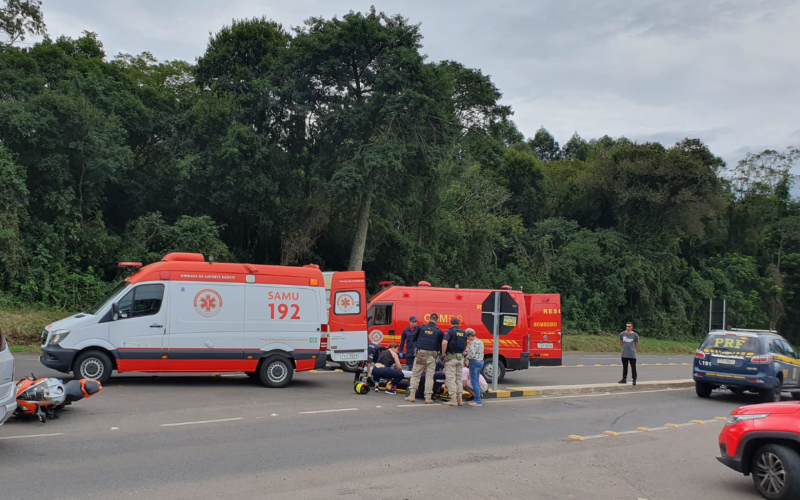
<point>772,395</point>
<point>703,390</point>
<point>276,372</point>
<point>776,472</point>
<point>487,370</point>
<point>92,365</point>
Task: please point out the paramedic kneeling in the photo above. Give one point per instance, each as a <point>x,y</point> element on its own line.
<point>454,345</point>
<point>428,342</point>
<point>387,366</point>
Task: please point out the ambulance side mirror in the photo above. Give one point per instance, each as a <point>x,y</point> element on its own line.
<point>114,311</point>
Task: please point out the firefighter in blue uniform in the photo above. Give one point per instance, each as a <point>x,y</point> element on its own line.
<point>406,344</point>
<point>428,345</point>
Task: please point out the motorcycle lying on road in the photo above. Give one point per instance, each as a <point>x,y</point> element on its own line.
<point>44,398</point>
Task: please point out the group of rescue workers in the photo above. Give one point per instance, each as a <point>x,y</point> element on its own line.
<point>427,349</point>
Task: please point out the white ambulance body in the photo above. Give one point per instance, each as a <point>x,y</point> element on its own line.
<point>187,315</point>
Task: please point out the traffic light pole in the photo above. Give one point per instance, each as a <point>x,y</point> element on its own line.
<point>496,340</point>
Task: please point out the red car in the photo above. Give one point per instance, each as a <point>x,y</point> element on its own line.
<point>764,440</point>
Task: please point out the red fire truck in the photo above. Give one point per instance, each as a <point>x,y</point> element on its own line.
<point>535,341</point>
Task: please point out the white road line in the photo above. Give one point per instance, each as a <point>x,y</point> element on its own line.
<point>594,395</point>
<point>32,436</point>
<point>630,432</point>
<point>326,411</point>
<point>598,436</point>
<point>420,406</point>
<point>203,422</point>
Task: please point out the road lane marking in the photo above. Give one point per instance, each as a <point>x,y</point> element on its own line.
<point>637,431</point>
<point>575,437</point>
<point>326,411</point>
<point>644,429</point>
<point>701,422</point>
<point>32,436</point>
<point>611,433</point>
<point>674,426</point>
<point>203,422</point>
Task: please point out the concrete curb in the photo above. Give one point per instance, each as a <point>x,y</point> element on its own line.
<point>562,390</point>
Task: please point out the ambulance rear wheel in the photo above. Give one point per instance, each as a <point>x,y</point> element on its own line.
<point>276,372</point>
<point>349,366</point>
<point>487,370</point>
<point>92,365</point>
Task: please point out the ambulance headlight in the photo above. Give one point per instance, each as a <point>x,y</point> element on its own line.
<point>57,336</point>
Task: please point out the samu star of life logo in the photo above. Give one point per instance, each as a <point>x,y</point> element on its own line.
<point>207,303</point>
<point>346,303</point>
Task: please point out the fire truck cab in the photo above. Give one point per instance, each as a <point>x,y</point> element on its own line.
<point>184,314</point>
<point>535,341</point>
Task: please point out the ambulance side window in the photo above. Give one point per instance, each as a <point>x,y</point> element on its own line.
<point>143,300</point>
<point>382,315</point>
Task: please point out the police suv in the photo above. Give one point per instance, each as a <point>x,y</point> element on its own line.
<point>741,360</point>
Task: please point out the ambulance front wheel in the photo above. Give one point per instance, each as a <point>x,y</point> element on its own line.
<point>487,370</point>
<point>92,365</point>
<point>276,372</point>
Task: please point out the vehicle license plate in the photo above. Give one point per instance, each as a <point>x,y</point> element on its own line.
<point>349,355</point>
<point>545,345</point>
<point>726,361</point>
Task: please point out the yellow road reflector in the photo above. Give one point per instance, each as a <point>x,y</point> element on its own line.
<point>643,429</point>
<point>216,375</point>
<point>721,418</point>
<point>685,364</point>
<point>672,364</point>
<point>576,438</point>
<point>644,364</point>
<point>701,422</point>
<point>614,364</point>
<point>579,366</point>
<point>338,370</point>
<point>611,433</point>
<point>313,371</point>
<point>598,365</point>
<point>674,426</point>
<point>659,364</point>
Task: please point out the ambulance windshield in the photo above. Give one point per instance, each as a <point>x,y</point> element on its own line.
<point>108,298</point>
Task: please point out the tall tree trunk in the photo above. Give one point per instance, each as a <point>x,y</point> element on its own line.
<point>360,241</point>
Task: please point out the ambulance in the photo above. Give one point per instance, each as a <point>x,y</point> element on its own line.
<point>184,314</point>
<point>534,341</point>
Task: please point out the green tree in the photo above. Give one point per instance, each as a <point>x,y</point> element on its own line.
<point>21,18</point>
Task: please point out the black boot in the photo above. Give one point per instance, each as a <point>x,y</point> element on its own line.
<point>623,381</point>
<point>634,381</point>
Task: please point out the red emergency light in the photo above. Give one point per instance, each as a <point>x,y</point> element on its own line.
<point>131,267</point>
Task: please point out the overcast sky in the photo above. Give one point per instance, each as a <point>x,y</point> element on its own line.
<point>723,71</point>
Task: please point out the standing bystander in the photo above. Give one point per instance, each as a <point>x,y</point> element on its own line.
<point>629,342</point>
<point>475,360</point>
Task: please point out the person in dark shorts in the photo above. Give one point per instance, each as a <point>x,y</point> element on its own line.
<point>629,342</point>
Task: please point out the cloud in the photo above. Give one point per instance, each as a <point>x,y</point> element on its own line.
<point>722,71</point>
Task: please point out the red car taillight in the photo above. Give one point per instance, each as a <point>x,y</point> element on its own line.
<point>700,354</point>
<point>323,343</point>
<point>764,359</point>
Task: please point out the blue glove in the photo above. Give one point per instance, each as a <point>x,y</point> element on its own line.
<point>401,355</point>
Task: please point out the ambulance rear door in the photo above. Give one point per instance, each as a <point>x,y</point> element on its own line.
<point>347,318</point>
<point>544,322</point>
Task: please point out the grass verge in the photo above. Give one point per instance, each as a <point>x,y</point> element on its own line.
<point>610,343</point>
<point>23,327</point>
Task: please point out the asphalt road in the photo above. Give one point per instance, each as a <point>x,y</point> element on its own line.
<point>218,437</point>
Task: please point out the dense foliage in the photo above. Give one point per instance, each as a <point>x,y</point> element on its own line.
<point>339,144</point>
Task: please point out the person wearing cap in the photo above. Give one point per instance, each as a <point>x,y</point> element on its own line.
<point>454,345</point>
<point>405,341</point>
<point>427,344</point>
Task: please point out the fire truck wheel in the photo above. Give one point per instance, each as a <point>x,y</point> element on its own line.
<point>487,370</point>
<point>92,365</point>
<point>275,372</point>
<point>349,366</point>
